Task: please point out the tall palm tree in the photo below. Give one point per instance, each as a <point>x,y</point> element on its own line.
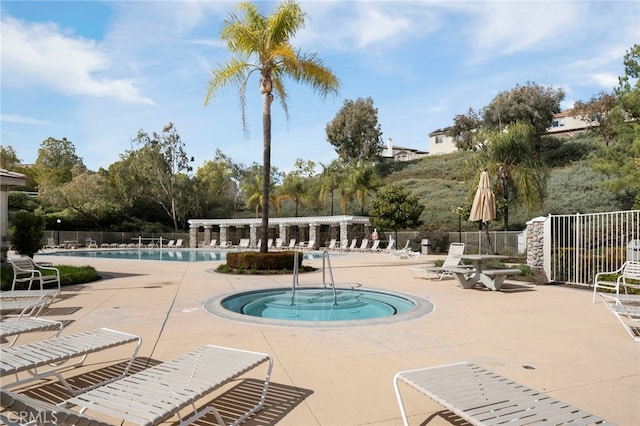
<point>261,44</point>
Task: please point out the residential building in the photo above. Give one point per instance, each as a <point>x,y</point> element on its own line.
<point>399,153</point>
<point>565,124</point>
<point>440,143</point>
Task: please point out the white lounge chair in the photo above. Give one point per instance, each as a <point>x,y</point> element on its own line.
<point>244,243</point>
<point>292,244</point>
<point>179,243</point>
<point>480,396</point>
<point>27,272</point>
<point>391,245</point>
<point>404,254</point>
<point>15,328</point>
<point>51,244</point>
<point>213,243</point>
<point>630,270</point>
<point>363,245</point>
<point>456,250</point>
<point>161,392</point>
<point>278,244</point>
<point>626,308</point>
<point>354,243</point>
<point>406,245</point>
<point>375,246</point>
<point>171,243</point>
<point>59,353</point>
<point>22,307</point>
<point>21,409</point>
<point>332,244</point>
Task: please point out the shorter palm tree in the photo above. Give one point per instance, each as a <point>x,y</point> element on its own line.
<point>509,155</point>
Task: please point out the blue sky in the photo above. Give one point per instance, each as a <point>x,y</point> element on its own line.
<point>97,72</point>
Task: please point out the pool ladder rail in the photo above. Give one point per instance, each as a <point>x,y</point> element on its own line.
<point>326,264</point>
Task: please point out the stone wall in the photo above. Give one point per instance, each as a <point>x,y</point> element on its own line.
<point>535,248</point>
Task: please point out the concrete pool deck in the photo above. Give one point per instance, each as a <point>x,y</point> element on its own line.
<point>575,351</point>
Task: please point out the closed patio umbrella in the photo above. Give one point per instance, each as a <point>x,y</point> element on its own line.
<point>483,209</point>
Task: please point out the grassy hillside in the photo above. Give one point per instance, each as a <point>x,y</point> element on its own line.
<point>440,184</point>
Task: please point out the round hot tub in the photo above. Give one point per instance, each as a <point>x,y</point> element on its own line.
<point>318,306</point>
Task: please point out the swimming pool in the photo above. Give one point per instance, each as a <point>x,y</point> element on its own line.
<point>170,255</point>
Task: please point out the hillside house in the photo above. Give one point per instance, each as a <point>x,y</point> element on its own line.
<point>565,124</point>
<point>400,153</point>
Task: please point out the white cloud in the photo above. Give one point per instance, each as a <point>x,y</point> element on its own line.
<point>604,79</point>
<point>19,119</point>
<point>362,26</point>
<point>41,54</point>
<point>504,28</point>
<point>373,26</point>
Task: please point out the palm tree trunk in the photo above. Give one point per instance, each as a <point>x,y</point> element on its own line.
<point>267,98</point>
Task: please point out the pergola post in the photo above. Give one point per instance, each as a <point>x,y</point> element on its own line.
<point>344,231</point>
<point>207,235</point>
<point>224,232</point>
<point>284,233</point>
<point>193,236</point>
<point>314,234</point>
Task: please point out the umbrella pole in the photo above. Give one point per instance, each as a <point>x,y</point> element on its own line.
<point>489,240</point>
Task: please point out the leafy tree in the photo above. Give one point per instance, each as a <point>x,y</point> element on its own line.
<point>464,129</point>
<point>217,183</point>
<point>355,132</point>
<point>28,231</point>
<point>88,194</point>
<point>532,104</point>
<point>628,90</point>
<point>395,208</point>
<point>521,176</point>
<point>18,200</point>
<point>157,165</point>
<point>620,160</point>
<point>56,161</point>
<point>8,158</point>
<point>599,112</point>
<point>262,44</point>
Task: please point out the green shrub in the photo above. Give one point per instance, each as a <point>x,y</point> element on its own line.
<point>262,261</point>
<point>28,231</point>
<point>69,275</point>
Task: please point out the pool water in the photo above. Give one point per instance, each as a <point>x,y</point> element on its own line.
<point>172,255</point>
<point>318,304</point>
